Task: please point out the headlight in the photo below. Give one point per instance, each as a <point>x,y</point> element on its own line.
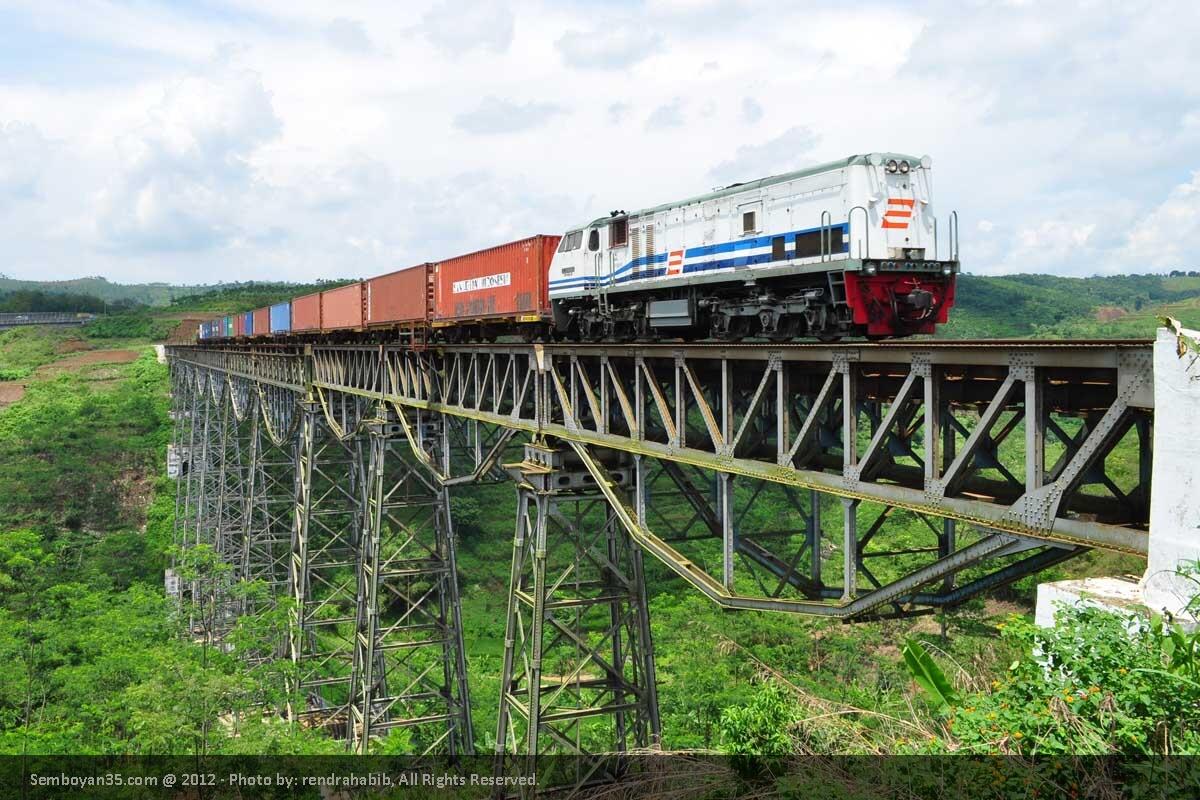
<point>869,269</point>
<point>892,166</point>
<point>904,167</point>
<point>947,270</point>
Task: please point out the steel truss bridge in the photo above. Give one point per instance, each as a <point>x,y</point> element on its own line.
<point>786,478</point>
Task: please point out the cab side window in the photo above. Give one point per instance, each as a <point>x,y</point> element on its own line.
<point>749,223</point>
<point>571,242</point>
<point>594,239</point>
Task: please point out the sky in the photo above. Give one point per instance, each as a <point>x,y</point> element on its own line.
<point>194,142</point>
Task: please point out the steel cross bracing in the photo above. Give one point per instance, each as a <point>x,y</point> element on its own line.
<point>309,509</point>
<point>899,478</point>
<point>578,674</point>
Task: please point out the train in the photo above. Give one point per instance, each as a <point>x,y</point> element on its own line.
<point>848,248</point>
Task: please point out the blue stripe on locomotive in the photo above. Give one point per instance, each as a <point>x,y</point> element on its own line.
<point>619,276</point>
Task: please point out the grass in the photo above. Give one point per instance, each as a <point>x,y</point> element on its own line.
<point>23,350</point>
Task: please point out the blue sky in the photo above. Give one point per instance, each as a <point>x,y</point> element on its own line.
<point>292,139</point>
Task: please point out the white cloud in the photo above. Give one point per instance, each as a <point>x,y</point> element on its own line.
<point>462,25</point>
<point>349,36</point>
<point>185,174</point>
<point>1167,236</point>
<point>495,115</point>
<point>23,155</point>
<point>752,110</point>
<point>668,115</point>
<point>1061,135</point>
<point>789,150</point>
<point>608,46</point>
<point>618,112</point>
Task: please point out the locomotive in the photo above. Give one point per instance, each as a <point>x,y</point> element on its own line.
<point>845,248</point>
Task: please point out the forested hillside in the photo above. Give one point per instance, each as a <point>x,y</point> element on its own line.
<point>157,295</point>
<point>1048,306</point>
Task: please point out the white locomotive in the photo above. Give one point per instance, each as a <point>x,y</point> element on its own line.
<point>844,248</point>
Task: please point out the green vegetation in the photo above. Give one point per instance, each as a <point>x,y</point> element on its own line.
<point>1048,306</point>
<point>249,296</point>
<point>154,294</point>
<point>22,350</point>
<point>93,653</point>
<point>98,661</point>
<point>26,300</point>
<point>139,324</point>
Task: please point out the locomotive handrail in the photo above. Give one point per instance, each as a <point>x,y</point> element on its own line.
<point>953,236</point>
<point>826,230</point>
<point>935,239</point>
<point>866,229</point>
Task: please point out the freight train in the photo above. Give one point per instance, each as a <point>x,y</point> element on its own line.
<point>846,248</point>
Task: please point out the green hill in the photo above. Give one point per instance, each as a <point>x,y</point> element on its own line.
<point>1048,306</point>
<point>1008,306</point>
<point>146,294</point>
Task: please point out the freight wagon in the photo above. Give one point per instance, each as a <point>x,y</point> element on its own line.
<point>262,322</point>
<point>401,299</point>
<point>342,308</point>
<point>281,318</point>
<point>490,292</point>
<point>306,313</point>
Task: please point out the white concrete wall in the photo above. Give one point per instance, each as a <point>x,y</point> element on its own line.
<point>1175,493</point>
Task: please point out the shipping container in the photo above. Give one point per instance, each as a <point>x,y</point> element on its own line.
<point>306,312</point>
<point>405,296</point>
<point>508,281</point>
<point>262,321</point>
<point>239,325</point>
<point>342,307</point>
<point>228,327</point>
<point>281,317</point>
<point>247,323</point>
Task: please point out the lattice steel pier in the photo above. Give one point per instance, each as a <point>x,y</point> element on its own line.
<point>1005,457</point>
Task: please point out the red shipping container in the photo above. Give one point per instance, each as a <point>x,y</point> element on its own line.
<point>403,296</point>
<point>508,281</point>
<point>342,307</point>
<point>306,312</point>
<point>239,325</point>
<point>262,321</point>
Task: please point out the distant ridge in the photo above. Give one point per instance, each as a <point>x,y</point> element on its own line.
<point>150,294</point>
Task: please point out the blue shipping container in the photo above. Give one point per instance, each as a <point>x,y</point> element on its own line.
<point>229,327</point>
<point>248,323</point>
<point>281,318</point>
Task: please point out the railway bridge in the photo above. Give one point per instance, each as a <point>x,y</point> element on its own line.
<point>21,319</point>
<point>900,478</point>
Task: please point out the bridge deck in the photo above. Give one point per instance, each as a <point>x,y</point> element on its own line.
<point>781,413</point>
